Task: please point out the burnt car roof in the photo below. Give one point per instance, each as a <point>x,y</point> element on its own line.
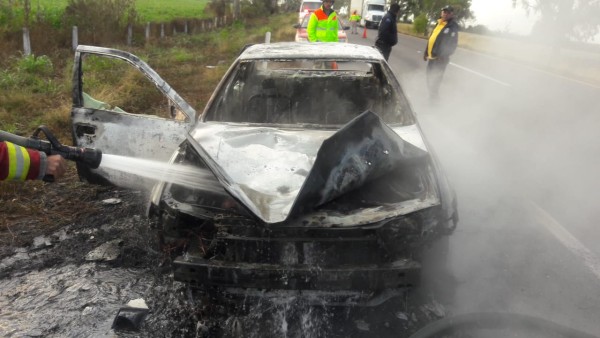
<point>299,50</point>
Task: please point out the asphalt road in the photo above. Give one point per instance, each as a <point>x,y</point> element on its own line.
<point>519,145</point>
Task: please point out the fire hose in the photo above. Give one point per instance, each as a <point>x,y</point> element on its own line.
<point>88,156</point>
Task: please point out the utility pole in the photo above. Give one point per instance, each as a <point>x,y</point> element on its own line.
<point>236,9</point>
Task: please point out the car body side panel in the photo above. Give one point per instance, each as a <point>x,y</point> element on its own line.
<point>123,134</point>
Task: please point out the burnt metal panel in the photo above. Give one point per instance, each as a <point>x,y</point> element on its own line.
<point>124,134</point>
<point>295,50</point>
<point>200,272</point>
<point>296,174</point>
<point>361,151</point>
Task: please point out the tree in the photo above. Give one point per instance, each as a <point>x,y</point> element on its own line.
<point>561,20</point>
<point>431,8</point>
<point>10,9</point>
<point>462,9</point>
<point>409,8</point>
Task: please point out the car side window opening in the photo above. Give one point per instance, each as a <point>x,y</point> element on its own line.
<point>324,92</point>
<point>115,85</point>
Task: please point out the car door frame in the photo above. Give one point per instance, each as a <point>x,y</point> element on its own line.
<point>121,133</point>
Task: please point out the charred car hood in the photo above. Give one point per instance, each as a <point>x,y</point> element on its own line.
<point>282,173</point>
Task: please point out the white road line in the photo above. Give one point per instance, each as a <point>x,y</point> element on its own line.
<point>562,77</point>
<point>568,240</point>
<point>534,69</point>
<point>480,74</point>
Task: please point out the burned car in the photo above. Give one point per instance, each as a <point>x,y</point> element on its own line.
<point>316,175</point>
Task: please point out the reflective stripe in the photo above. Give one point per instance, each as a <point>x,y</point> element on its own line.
<point>12,160</point>
<point>18,162</point>
<point>26,164</point>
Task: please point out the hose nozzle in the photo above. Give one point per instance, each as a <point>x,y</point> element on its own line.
<point>88,156</point>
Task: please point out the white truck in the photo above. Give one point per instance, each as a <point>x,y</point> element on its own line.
<point>370,11</point>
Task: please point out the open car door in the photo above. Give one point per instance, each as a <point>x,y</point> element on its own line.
<point>122,107</point>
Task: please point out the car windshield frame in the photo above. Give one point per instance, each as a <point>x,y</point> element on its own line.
<point>300,91</point>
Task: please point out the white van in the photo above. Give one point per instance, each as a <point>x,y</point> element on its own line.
<point>307,7</point>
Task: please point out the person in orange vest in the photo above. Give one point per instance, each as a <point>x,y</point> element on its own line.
<point>20,163</point>
<point>355,19</point>
<point>441,44</point>
<point>323,24</point>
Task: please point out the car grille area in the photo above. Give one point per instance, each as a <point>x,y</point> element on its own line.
<point>203,272</point>
<point>297,259</point>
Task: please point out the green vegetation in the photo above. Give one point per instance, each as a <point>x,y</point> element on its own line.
<point>148,10</point>
<point>162,11</point>
<point>431,9</point>
<point>36,89</point>
<point>99,22</point>
<point>182,61</point>
<point>420,24</point>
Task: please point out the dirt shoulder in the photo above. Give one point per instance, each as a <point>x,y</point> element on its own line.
<point>34,208</point>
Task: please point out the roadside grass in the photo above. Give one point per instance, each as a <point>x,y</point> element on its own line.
<point>162,11</point>
<point>192,64</point>
<point>582,64</point>
<point>148,10</point>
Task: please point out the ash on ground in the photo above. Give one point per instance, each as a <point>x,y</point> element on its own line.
<point>74,281</point>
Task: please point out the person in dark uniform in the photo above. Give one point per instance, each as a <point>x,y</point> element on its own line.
<point>387,37</point>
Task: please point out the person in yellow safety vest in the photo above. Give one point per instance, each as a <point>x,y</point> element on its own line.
<point>20,163</point>
<point>441,44</point>
<point>323,24</point>
<point>355,19</point>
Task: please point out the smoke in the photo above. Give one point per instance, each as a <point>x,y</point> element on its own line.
<point>517,140</point>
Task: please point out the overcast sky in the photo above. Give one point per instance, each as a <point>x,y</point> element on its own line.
<point>499,15</point>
